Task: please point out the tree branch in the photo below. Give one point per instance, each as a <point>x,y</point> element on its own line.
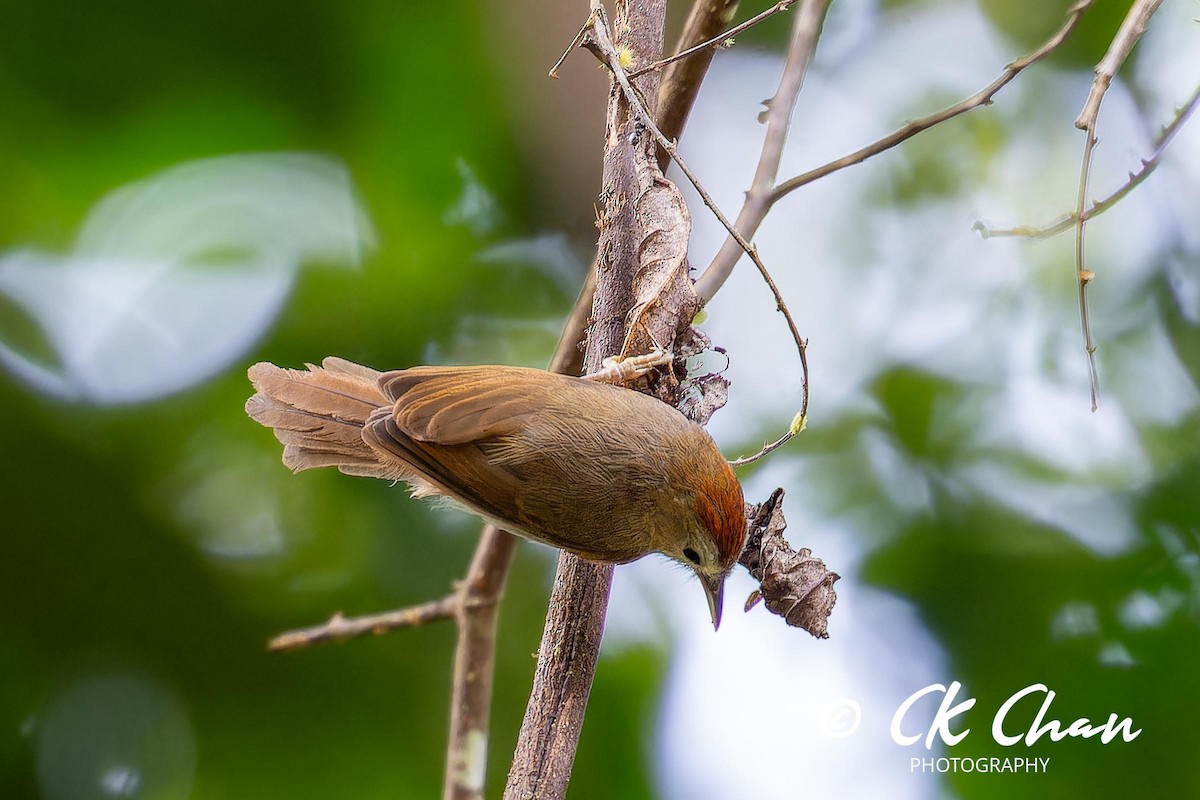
<point>1067,220</point>
<point>981,98</point>
<point>340,628</point>
<point>1131,30</point>
<point>474,667</point>
<point>570,646</point>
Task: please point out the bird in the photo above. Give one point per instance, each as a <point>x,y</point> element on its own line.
<point>598,470</point>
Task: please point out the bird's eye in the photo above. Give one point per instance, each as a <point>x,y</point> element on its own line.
<point>691,555</point>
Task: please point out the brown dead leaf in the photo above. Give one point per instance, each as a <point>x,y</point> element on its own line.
<point>794,584</point>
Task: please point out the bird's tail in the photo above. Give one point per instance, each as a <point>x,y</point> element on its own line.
<point>319,414</point>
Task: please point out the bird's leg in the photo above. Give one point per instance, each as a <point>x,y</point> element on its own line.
<point>627,369</point>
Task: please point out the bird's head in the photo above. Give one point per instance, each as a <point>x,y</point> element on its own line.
<point>713,536</point>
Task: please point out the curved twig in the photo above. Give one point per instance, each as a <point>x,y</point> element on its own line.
<point>799,423</point>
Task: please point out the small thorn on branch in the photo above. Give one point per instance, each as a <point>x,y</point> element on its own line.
<point>340,627</point>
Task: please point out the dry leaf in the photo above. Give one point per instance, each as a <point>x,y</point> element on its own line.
<point>794,585</point>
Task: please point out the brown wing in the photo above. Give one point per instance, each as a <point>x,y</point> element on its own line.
<point>456,405</point>
<point>488,435</point>
<point>461,472</point>
<point>441,422</point>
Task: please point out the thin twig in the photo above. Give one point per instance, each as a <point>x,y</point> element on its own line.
<point>339,628</point>
<point>799,423</point>
<point>681,80</point>
<point>1131,30</point>
<point>766,449</point>
<point>806,28</point>
<point>1084,277</point>
<point>553,73</point>
<point>783,5</point>
<point>599,40</point>
<point>1148,165</point>
<point>980,98</point>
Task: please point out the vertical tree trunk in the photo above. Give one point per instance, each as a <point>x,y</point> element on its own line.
<point>575,621</point>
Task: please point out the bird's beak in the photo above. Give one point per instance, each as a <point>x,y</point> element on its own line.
<point>714,590</point>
